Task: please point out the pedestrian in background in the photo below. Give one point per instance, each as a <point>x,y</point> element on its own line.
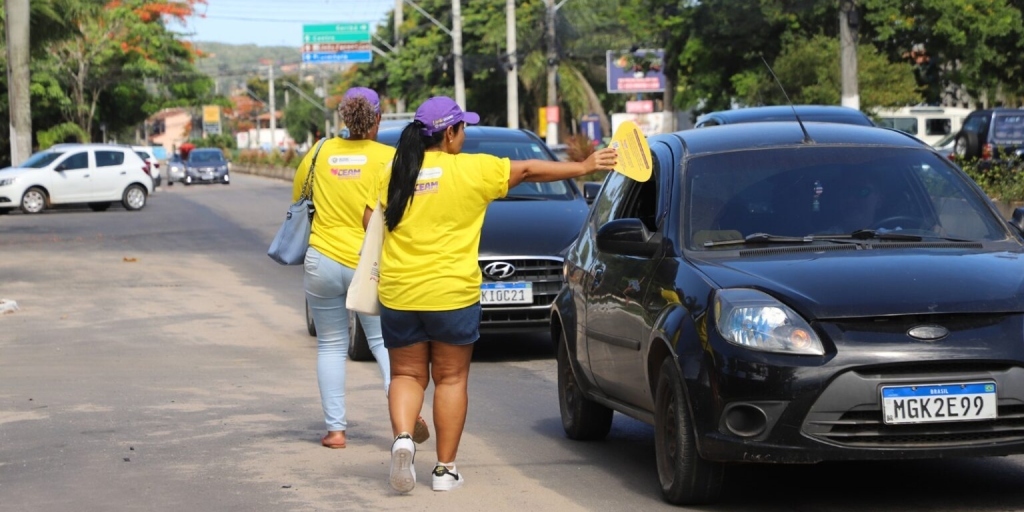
<point>435,198</point>
<point>345,174</point>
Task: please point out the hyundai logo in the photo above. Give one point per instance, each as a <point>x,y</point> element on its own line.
<point>499,270</point>
<point>928,332</point>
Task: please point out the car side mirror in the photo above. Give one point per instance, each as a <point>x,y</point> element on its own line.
<point>628,237</point>
<point>590,191</point>
<point>61,168</point>
<point>1018,219</point>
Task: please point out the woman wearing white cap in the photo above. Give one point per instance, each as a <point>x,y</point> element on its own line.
<point>435,198</point>
<point>346,173</point>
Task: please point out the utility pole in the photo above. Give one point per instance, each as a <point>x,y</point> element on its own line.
<point>512,78</point>
<point>552,61</point>
<point>18,79</point>
<point>399,19</point>
<point>273,112</point>
<point>849,20</point>
<point>460,84</point>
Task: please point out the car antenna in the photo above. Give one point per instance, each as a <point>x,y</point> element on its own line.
<point>807,136</point>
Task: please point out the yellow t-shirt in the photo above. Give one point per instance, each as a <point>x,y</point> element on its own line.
<point>429,262</point>
<point>347,173</point>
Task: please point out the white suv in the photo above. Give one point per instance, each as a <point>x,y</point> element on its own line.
<point>96,174</point>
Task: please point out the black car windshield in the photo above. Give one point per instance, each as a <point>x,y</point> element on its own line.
<point>203,157</point>
<point>513,149</point>
<point>40,160</point>
<point>812,192</point>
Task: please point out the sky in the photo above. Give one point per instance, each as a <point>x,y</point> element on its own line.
<point>276,22</point>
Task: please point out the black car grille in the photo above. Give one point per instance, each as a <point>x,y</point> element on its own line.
<point>866,429</point>
<point>546,276</point>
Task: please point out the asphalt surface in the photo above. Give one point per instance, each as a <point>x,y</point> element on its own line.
<point>158,360</point>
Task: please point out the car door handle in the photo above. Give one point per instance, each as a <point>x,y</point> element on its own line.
<point>85,175</point>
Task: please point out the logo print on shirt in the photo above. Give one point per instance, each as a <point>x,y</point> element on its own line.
<point>426,187</point>
<point>429,173</point>
<point>340,160</point>
<point>346,174</point>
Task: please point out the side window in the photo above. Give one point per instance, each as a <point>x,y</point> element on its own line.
<point>937,126</point>
<point>109,158</point>
<point>611,196</point>
<point>641,201</point>
<point>972,123</point>
<point>75,161</point>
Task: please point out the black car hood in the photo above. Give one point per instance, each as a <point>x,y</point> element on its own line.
<point>531,228</point>
<point>882,282</point>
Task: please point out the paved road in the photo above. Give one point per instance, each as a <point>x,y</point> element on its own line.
<point>159,361</point>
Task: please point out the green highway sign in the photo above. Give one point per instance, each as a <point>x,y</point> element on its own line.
<point>336,33</point>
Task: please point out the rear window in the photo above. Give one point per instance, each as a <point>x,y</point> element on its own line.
<point>109,158</point>
<point>1008,128</point>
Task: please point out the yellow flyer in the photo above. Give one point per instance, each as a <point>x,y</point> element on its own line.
<point>634,153</point>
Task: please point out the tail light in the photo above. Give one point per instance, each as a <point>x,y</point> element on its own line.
<point>986,152</point>
<point>145,168</point>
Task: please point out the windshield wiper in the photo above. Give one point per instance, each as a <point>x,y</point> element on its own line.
<point>761,238</point>
<point>524,198</point>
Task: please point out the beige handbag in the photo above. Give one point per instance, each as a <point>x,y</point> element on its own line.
<point>362,291</point>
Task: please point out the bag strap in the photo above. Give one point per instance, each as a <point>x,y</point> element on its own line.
<point>308,185</point>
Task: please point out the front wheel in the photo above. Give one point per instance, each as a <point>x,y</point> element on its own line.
<point>960,148</point>
<point>686,478</point>
<point>358,345</point>
<point>34,200</point>
<point>134,197</point>
<point>582,418</point>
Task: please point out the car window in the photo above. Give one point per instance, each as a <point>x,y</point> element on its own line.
<point>641,201</point>
<point>611,196</point>
<point>75,161</point>
<point>973,123</point>
<point>143,155</point>
<point>825,190</point>
<point>109,158</point>
<point>1008,128</point>
<point>937,126</point>
<point>40,160</point>
<point>205,156</point>
<point>903,124</point>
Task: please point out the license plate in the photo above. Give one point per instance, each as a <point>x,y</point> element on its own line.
<point>506,293</point>
<point>935,403</point>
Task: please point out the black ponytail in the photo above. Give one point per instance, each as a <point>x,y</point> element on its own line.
<point>405,169</point>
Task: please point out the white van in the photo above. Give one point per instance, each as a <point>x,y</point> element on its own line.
<point>930,124</point>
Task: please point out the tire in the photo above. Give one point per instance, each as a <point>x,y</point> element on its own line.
<point>34,200</point>
<point>686,478</point>
<point>960,148</point>
<point>582,418</point>
<point>358,345</point>
<point>134,197</point>
<point>99,207</point>
<point>310,326</point>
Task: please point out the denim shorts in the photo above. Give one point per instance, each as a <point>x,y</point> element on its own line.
<point>404,328</point>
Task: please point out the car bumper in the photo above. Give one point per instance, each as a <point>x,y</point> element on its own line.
<point>759,407</point>
<point>206,177</point>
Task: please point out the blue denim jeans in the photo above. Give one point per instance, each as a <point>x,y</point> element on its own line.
<point>326,283</point>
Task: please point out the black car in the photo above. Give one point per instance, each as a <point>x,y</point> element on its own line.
<point>724,303</point>
<point>524,238</point>
<point>990,135</point>
<point>807,113</point>
<point>207,165</point>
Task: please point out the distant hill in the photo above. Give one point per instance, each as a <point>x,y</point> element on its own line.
<point>242,59</point>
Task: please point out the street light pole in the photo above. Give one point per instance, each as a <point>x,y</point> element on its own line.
<point>273,112</point>
<point>456,34</point>
<point>512,79</point>
<point>18,79</point>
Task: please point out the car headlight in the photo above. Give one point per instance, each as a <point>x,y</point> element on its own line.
<point>222,168</point>
<point>7,181</point>
<point>756,320</point>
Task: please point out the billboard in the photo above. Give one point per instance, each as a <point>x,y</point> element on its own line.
<point>211,119</point>
<point>637,71</point>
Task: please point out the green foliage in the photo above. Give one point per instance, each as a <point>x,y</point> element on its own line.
<point>64,132</point>
<point>999,180</point>
<point>224,141</point>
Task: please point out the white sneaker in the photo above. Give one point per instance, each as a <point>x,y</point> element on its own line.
<point>444,479</point>
<point>403,471</point>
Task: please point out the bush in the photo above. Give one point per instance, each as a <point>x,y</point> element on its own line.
<point>1000,180</point>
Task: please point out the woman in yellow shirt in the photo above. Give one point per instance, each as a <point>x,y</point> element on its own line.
<point>435,198</point>
<point>346,172</point>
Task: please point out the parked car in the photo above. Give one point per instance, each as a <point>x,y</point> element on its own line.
<point>991,135</point>
<point>946,146</point>
<point>207,165</point>
<point>152,163</point>
<point>807,113</point>
<point>930,124</point>
<point>175,170</point>
<point>718,303</point>
<point>96,174</point>
<point>522,243</point>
